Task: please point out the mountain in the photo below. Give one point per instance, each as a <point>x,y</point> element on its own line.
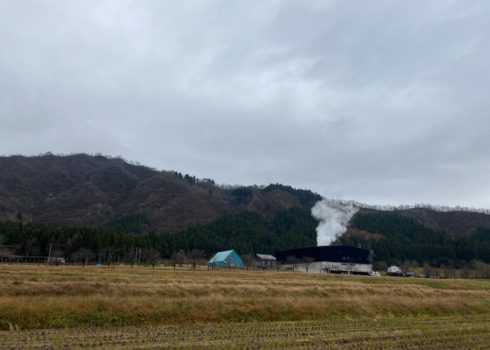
<point>455,222</point>
<point>104,208</point>
<point>395,236</point>
<point>96,191</point>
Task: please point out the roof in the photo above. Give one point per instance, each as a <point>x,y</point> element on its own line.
<point>221,256</point>
<point>343,254</point>
<point>265,256</point>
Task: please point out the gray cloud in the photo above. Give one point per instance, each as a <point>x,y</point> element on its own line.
<point>380,101</point>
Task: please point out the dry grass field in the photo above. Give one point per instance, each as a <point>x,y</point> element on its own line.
<point>74,307</point>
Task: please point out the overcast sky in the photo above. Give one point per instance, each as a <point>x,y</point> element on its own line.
<point>379,101</point>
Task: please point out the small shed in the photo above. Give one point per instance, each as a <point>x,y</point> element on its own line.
<point>265,261</point>
<point>225,259</point>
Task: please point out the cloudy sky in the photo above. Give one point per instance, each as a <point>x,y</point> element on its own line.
<point>380,101</point>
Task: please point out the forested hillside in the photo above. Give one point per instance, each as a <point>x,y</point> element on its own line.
<point>247,232</point>
<point>394,236</point>
<point>96,191</point>
<point>104,209</point>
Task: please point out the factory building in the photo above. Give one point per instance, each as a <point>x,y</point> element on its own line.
<point>328,259</point>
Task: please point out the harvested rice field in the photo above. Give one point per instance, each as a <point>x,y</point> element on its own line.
<point>143,308</point>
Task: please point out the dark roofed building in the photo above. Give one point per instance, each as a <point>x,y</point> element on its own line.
<point>332,259</point>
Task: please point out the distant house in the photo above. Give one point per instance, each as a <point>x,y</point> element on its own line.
<point>265,261</point>
<point>225,259</point>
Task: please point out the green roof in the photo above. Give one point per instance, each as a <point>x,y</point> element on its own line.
<point>221,256</point>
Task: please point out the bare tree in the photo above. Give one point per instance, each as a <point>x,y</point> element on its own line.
<point>195,255</point>
<point>429,271</point>
<point>380,266</point>
<point>134,256</point>
<point>83,255</point>
<point>308,260</point>
<point>292,260</point>
<point>248,260</point>
<point>482,270</point>
<point>107,254</point>
<point>5,253</point>
<point>151,256</point>
<point>178,258</point>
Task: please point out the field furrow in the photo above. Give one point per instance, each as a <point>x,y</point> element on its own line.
<point>401,333</point>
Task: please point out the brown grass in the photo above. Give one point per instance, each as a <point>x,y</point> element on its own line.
<point>67,297</point>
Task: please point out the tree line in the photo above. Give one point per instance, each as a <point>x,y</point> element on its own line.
<point>248,233</point>
<point>133,240</point>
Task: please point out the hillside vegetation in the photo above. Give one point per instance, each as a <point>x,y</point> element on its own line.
<point>99,209</point>
<point>394,236</point>
<point>395,239</point>
<point>83,190</point>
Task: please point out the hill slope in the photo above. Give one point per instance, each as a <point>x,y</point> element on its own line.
<point>83,190</point>
<point>456,223</point>
<point>122,203</point>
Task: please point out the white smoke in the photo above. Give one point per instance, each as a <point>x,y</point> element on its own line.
<point>334,217</point>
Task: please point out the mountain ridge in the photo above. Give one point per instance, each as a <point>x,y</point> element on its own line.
<point>84,190</point>
<point>96,190</point>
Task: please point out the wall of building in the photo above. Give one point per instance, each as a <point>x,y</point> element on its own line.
<point>330,267</point>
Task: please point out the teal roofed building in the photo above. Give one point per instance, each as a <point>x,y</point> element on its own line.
<point>225,259</point>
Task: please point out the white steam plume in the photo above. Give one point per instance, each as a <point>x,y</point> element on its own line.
<point>334,217</point>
